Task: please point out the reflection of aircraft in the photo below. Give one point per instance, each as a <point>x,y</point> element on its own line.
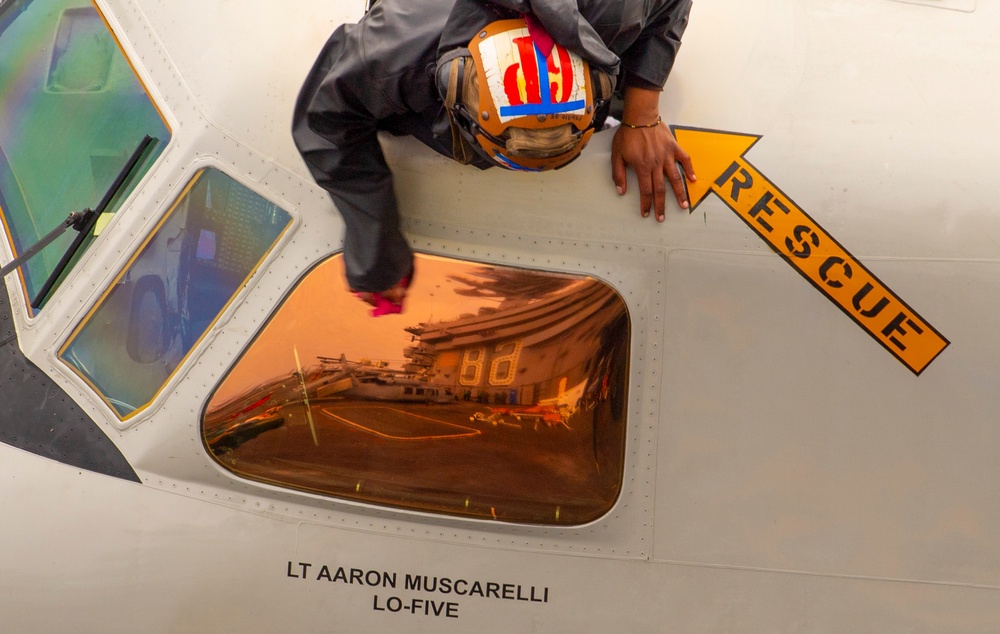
<point>229,436</point>
<point>802,452</point>
<point>551,415</point>
<point>374,381</point>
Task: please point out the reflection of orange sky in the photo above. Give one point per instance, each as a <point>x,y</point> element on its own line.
<point>321,318</point>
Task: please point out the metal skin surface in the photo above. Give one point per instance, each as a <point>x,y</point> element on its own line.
<point>785,470</point>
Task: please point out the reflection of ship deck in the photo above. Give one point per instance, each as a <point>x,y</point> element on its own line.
<point>373,381</point>
<point>439,457</point>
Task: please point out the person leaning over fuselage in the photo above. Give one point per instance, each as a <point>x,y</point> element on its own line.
<point>391,71</point>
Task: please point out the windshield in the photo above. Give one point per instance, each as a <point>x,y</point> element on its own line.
<point>175,288</point>
<point>71,113</point>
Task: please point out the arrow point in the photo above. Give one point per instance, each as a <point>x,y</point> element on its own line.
<point>711,152</point>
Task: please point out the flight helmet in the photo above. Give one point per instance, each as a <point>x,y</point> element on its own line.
<point>515,106</point>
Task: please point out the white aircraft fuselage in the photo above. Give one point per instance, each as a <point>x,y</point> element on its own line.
<point>807,442</point>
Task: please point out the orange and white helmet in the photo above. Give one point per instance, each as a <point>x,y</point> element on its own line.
<point>518,108</point>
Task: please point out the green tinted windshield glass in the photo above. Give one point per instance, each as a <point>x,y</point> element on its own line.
<point>72,111</point>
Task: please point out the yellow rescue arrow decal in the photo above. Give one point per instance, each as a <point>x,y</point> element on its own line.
<point>719,160</point>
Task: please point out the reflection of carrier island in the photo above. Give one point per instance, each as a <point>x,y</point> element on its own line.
<point>526,351</point>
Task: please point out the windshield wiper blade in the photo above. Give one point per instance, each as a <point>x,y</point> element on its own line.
<point>83,222</point>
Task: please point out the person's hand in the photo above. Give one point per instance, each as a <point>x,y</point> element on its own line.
<point>652,152</point>
<point>389,301</point>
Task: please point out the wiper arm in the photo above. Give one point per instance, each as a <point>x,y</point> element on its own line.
<point>83,223</point>
<point>75,220</point>
<point>14,7</point>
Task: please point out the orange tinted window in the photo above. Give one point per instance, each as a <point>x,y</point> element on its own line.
<point>499,393</point>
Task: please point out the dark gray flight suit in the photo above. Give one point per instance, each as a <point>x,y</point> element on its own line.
<point>379,75</point>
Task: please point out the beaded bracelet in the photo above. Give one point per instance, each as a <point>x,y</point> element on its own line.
<point>659,120</point>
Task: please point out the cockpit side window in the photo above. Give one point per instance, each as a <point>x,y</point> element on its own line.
<point>174,289</point>
<point>72,111</point>
<point>498,394</point>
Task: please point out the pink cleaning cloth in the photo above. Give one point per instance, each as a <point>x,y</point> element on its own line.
<point>384,305</point>
<point>543,41</point>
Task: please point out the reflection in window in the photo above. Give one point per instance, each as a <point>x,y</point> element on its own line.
<point>196,260</point>
<point>72,111</point>
<point>499,394</point>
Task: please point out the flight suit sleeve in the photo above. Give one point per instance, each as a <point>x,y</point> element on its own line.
<point>566,23</point>
<point>335,127</point>
<point>649,59</point>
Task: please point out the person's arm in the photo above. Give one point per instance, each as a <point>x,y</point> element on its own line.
<point>335,128</point>
<point>651,151</point>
